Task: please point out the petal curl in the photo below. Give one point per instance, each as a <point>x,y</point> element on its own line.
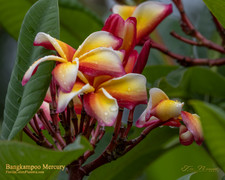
<point>101,61</point>
<point>102,106</point>
<point>185,136</point>
<point>129,90</point>
<point>98,39</point>
<point>156,95</point>
<point>193,124</point>
<point>63,49</point>
<point>64,98</point>
<point>65,75</point>
<point>33,67</point>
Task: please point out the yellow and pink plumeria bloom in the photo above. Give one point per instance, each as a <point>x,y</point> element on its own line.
<point>161,108</point>
<point>104,68</point>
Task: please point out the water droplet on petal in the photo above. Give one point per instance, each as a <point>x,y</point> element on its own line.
<point>106,113</point>
<point>113,108</point>
<point>129,89</point>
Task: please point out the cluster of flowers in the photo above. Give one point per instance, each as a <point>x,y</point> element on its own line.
<point>106,70</point>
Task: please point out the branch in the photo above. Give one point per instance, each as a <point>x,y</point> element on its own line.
<point>190,30</point>
<point>188,61</point>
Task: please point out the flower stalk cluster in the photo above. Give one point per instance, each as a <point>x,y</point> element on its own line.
<point>91,87</point>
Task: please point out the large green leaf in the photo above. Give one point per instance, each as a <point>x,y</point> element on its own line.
<point>183,160</point>
<point>197,81</point>
<point>213,122</point>
<point>16,153</point>
<point>76,22</point>
<point>11,22</point>
<point>22,102</point>
<point>157,72</point>
<point>134,162</point>
<point>217,8</point>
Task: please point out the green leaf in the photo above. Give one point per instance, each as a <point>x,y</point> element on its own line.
<point>213,122</point>
<point>76,22</point>
<point>22,102</point>
<point>16,153</point>
<point>134,162</point>
<point>217,8</point>
<point>174,78</point>
<point>155,72</point>
<point>197,81</point>
<point>187,176</point>
<point>183,160</point>
<point>11,22</point>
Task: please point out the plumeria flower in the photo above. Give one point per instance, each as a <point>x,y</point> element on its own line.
<point>96,56</point>
<point>161,108</point>
<point>192,129</point>
<point>126,30</point>
<point>148,15</point>
<point>133,24</point>
<point>103,95</point>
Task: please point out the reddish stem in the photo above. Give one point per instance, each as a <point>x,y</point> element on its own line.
<point>129,122</point>
<point>189,29</point>
<point>188,61</point>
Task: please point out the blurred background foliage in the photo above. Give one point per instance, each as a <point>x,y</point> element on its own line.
<point>201,88</point>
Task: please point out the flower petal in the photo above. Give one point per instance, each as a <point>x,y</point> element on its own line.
<point>131,62</point>
<point>102,106</point>
<point>156,95</point>
<point>98,80</point>
<point>65,75</point>
<point>123,29</point>
<point>48,97</point>
<point>64,98</point>
<point>167,109</point>
<point>123,10</point>
<point>77,104</point>
<point>46,108</point>
<point>149,14</point>
<point>129,36</point>
<point>101,61</point>
<point>129,90</point>
<point>63,49</point>
<point>115,25</point>
<point>142,58</point>
<point>193,124</point>
<point>98,39</point>
<point>185,136</point>
<point>141,122</point>
<point>32,68</point>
